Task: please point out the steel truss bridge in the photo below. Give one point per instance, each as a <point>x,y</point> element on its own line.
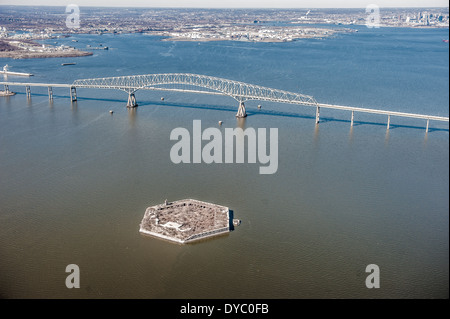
<point>239,91</point>
<point>194,83</point>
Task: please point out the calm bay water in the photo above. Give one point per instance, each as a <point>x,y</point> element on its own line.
<point>75,180</point>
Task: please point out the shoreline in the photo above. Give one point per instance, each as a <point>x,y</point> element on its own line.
<point>184,39</point>
<point>29,49</point>
<point>19,54</point>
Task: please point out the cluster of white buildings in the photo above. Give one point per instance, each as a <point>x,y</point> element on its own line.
<point>16,39</point>
<point>3,33</point>
<point>43,48</point>
<point>426,19</point>
<point>46,34</point>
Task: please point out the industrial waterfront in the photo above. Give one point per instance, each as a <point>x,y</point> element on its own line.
<point>75,179</point>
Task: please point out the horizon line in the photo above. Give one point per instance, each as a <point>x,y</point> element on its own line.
<point>183,7</point>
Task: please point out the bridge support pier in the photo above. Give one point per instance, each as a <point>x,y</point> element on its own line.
<point>73,94</point>
<point>389,122</point>
<point>50,93</point>
<point>241,111</point>
<point>428,124</point>
<point>28,91</point>
<point>353,116</point>
<point>317,115</point>
<point>131,100</point>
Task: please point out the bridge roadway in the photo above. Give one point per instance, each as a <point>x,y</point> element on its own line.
<point>240,91</point>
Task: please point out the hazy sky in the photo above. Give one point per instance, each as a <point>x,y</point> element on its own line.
<point>237,3</point>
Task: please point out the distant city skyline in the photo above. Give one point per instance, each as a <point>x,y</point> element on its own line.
<point>233,3</point>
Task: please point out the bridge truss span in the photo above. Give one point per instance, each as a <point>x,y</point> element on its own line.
<point>194,83</point>
<point>239,91</point>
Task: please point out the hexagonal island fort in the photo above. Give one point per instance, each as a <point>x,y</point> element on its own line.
<point>185,220</point>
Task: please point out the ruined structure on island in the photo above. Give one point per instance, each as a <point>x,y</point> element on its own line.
<point>185,220</point>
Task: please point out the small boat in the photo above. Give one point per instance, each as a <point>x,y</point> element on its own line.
<point>69,63</point>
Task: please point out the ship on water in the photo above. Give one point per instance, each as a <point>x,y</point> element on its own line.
<point>7,72</point>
